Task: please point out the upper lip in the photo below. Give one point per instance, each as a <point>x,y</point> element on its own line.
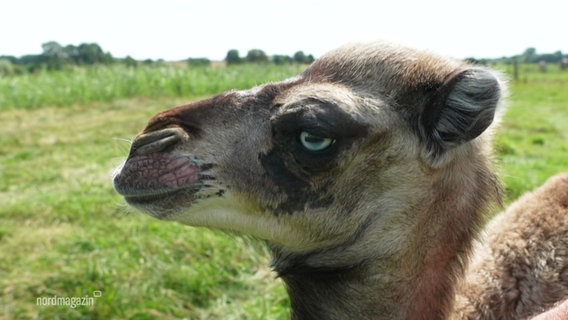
<point>155,174</point>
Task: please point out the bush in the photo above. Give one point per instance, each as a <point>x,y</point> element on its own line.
<point>233,57</point>
<point>6,68</point>
<point>256,56</point>
<point>282,59</point>
<point>198,62</point>
<point>301,57</point>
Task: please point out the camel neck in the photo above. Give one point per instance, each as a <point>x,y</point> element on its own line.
<point>353,293</point>
<point>413,281</point>
<point>330,294</point>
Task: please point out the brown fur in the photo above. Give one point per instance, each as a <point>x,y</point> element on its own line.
<point>520,266</point>
<point>377,224</point>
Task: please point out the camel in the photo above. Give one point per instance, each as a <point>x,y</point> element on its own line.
<point>369,176</point>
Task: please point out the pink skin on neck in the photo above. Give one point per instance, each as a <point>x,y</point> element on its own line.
<point>559,312</point>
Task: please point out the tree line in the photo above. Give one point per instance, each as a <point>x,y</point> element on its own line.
<point>55,56</point>
<point>259,56</point>
<point>529,56</point>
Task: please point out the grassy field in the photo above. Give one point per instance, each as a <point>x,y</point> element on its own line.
<point>107,83</point>
<point>532,142</point>
<point>65,233</point>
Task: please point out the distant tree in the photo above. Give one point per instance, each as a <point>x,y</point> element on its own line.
<point>53,49</point>
<point>282,59</point>
<point>54,55</point>
<point>12,59</point>
<point>256,56</point>
<point>6,68</point>
<point>530,56</point>
<point>198,62</point>
<point>92,53</point>
<point>130,62</point>
<point>310,58</point>
<point>233,57</point>
<point>71,53</point>
<point>473,60</point>
<point>550,57</point>
<point>301,57</point>
<point>34,61</point>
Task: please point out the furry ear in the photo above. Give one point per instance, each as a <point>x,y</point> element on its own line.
<point>458,111</point>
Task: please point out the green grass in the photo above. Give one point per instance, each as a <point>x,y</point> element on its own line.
<point>65,232</point>
<point>107,83</point>
<point>532,141</point>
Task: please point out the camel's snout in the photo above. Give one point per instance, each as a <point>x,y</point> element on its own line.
<point>154,171</point>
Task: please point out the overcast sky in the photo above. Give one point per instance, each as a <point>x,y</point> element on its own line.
<point>176,30</point>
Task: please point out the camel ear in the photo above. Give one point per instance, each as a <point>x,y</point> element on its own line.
<point>459,111</point>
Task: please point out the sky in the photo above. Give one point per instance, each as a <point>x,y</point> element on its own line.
<point>176,30</point>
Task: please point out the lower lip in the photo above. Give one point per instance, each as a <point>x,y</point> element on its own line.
<point>156,198</point>
<point>162,205</point>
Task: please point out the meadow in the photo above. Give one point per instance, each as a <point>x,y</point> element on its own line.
<point>65,233</point>
<point>80,85</point>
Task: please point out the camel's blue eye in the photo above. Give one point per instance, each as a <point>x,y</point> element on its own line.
<point>314,143</point>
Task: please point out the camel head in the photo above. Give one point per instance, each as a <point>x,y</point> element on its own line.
<point>376,153</point>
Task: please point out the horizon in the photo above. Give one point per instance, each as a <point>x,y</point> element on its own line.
<point>244,53</point>
<point>175,30</point>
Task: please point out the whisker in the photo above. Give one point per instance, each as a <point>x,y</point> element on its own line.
<point>123,139</point>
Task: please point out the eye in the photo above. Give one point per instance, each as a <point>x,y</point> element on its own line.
<point>314,143</point>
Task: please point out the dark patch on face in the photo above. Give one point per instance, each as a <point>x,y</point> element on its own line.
<point>305,176</point>
<point>206,177</point>
<point>206,166</point>
<point>300,192</point>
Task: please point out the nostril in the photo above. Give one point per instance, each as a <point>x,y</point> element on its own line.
<point>156,141</point>
<point>155,146</point>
